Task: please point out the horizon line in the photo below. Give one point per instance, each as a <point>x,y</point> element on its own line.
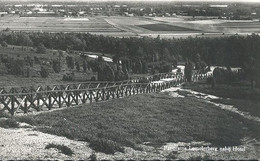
<point>89,1</point>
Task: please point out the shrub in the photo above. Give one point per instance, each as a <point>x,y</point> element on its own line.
<point>84,66</point>
<point>70,62</point>
<point>4,44</point>
<point>69,77</point>
<point>63,149</point>
<point>93,157</point>
<point>36,59</point>
<point>77,66</point>
<point>27,119</point>
<point>4,114</point>
<point>15,67</point>
<point>165,68</point>
<point>224,75</point>
<point>9,123</point>
<point>179,70</point>
<point>41,49</point>
<point>44,72</point>
<point>56,66</point>
<point>105,72</point>
<point>119,74</point>
<point>3,69</point>
<point>93,78</point>
<point>188,71</point>
<point>105,146</point>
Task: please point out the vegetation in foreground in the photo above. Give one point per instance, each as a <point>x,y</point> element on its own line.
<point>154,118</point>
<point>238,94</point>
<point>9,123</point>
<point>62,148</point>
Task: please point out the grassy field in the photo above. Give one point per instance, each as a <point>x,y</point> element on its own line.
<point>121,26</point>
<point>241,96</point>
<point>56,24</point>
<point>164,27</point>
<point>155,118</point>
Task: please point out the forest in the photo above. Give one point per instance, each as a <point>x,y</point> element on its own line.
<point>159,55</point>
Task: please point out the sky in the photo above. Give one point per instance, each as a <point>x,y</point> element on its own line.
<point>138,0</point>
<point>246,1</point>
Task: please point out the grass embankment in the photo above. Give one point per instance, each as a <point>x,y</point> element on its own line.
<point>239,95</point>
<point>155,118</point>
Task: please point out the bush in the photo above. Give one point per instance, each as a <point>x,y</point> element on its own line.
<point>105,72</point>
<point>69,77</point>
<point>9,123</point>
<point>70,62</point>
<point>63,149</point>
<point>188,71</point>
<point>84,66</point>
<point>3,69</point>
<point>4,44</point>
<point>165,68</point>
<point>56,66</point>
<point>15,67</point>
<point>93,78</point>
<point>119,74</point>
<point>36,59</point>
<point>77,66</point>
<point>27,119</point>
<point>44,72</point>
<point>105,146</point>
<point>41,49</point>
<point>223,76</point>
<point>93,157</point>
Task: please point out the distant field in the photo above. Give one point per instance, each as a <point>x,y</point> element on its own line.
<point>121,26</point>
<point>56,24</point>
<point>164,27</point>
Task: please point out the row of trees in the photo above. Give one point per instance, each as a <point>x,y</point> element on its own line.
<point>221,51</point>
<point>136,54</point>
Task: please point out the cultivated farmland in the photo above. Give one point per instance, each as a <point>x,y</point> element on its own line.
<point>164,27</point>
<point>120,26</point>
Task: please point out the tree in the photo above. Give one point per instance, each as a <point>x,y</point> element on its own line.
<point>188,71</point>
<point>119,74</point>
<point>84,66</point>
<point>56,65</point>
<point>252,70</point>
<point>44,72</point>
<point>166,56</point>
<point>29,61</point>
<point>41,48</point>
<point>15,67</point>
<point>70,62</point>
<point>105,72</point>
<point>77,66</point>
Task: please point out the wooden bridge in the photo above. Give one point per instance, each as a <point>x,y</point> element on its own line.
<point>31,99</point>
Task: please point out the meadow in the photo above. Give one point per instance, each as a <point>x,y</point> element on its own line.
<point>164,27</point>
<point>56,24</point>
<point>154,119</point>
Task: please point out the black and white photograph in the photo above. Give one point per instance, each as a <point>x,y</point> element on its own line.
<point>129,80</point>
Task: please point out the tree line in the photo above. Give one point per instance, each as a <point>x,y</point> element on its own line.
<point>139,54</point>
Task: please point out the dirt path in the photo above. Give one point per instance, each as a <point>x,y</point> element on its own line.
<point>26,143</point>
<point>207,98</point>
